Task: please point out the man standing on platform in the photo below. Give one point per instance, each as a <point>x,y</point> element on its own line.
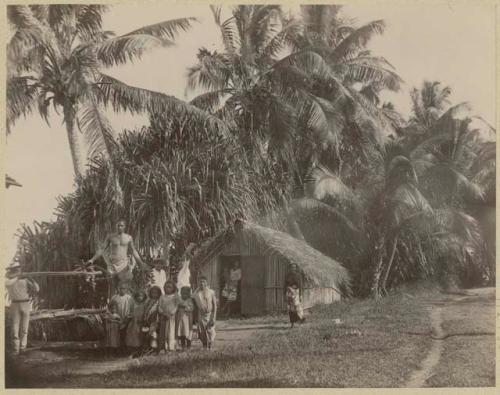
<point>119,266</point>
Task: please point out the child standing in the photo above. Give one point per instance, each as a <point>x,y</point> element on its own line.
<point>134,338</point>
<point>167,308</point>
<point>184,321</point>
<point>151,321</point>
<point>112,323</point>
<point>295,311</point>
<point>123,303</point>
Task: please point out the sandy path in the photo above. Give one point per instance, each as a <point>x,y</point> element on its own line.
<point>438,308</point>
<point>420,376</point>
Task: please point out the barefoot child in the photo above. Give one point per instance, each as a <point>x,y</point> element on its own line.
<point>295,311</point>
<point>168,310</point>
<point>134,337</point>
<point>123,303</point>
<point>184,320</point>
<point>151,321</point>
<point>112,323</point>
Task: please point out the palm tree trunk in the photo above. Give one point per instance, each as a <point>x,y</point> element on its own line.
<point>389,264</point>
<point>376,292</point>
<point>74,141</point>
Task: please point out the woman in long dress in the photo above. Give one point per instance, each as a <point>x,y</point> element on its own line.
<point>167,308</point>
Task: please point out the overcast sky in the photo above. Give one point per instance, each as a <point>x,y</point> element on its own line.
<point>454,44</point>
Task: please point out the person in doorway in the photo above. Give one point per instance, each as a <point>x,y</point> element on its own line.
<point>206,305</point>
<point>21,290</point>
<point>123,302</point>
<point>230,291</point>
<point>119,264</point>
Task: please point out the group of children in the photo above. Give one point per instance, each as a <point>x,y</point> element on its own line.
<point>160,321</point>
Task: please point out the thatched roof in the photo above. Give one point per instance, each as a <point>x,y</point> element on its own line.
<point>318,269</point>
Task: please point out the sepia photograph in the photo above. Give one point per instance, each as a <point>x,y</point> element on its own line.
<point>249,195</point>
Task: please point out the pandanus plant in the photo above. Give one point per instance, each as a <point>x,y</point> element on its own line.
<point>57,55</point>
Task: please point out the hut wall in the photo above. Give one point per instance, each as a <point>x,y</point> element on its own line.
<point>314,296</point>
<point>275,272</point>
<point>253,270</point>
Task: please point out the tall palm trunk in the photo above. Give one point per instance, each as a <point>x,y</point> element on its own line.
<point>377,274</point>
<point>74,141</point>
<point>389,265</point>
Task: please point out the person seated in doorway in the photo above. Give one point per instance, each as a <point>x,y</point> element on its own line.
<point>230,291</point>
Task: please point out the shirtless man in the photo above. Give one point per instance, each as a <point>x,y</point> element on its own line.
<point>119,244</point>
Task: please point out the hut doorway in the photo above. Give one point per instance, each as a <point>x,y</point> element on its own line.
<point>228,307</point>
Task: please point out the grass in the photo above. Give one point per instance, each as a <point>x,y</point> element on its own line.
<point>369,349</point>
<point>473,356</point>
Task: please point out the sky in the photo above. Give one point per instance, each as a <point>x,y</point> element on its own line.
<point>454,44</point>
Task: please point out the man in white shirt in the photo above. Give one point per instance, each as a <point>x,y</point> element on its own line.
<point>20,289</point>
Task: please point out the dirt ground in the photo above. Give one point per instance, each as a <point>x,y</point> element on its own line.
<point>461,352</point>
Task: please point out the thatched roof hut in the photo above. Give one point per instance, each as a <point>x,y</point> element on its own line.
<point>265,256</point>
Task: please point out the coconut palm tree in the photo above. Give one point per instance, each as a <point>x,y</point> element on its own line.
<point>57,55</point>
<point>358,75</point>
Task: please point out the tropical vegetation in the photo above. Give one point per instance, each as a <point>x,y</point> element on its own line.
<point>288,129</point>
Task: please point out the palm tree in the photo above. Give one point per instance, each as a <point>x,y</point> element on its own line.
<point>260,84</point>
<point>57,54</point>
<point>358,75</point>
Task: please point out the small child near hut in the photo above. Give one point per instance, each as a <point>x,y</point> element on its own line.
<point>112,322</point>
<point>167,308</point>
<point>184,319</point>
<point>150,324</point>
<point>134,338</point>
<point>295,311</point>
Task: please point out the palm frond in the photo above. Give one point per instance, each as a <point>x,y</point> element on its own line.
<point>120,50</point>
<point>97,130</point>
<point>321,183</point>
<point>227,29</point>
<point>123,97</point>
<point>209,101</point>
<point>357,40</point>
<point>313,210</point>
<point>168,30</point>
<point>369,70</point>
<point>21,97</point>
